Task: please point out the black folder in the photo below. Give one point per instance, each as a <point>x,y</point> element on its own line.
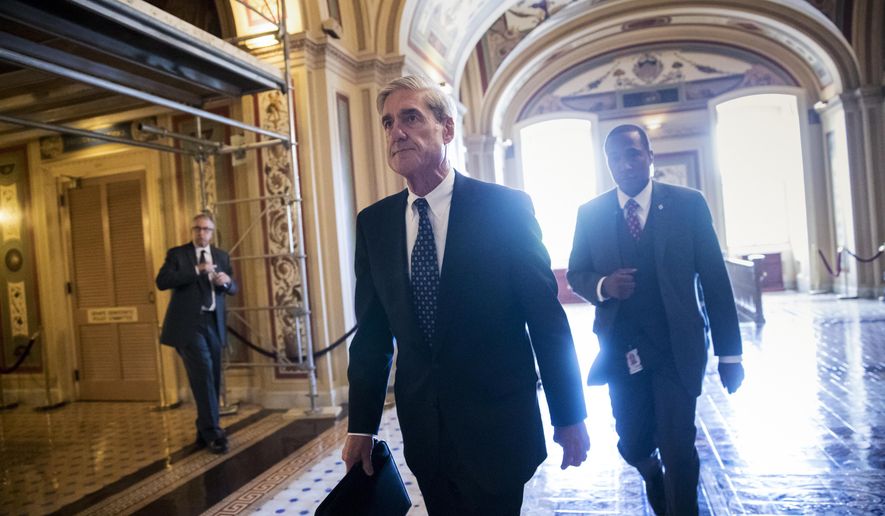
<point>357,494</point>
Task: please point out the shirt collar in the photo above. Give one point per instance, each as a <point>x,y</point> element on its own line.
<point>643,198</point>
<point>440,197</point>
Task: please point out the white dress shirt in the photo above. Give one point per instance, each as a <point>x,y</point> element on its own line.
<point>643,199</point>
<point>440,202</point>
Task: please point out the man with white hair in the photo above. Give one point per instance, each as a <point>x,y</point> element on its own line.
<point>454,270</point>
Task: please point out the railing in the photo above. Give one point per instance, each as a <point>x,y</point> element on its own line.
<point>746,281</point>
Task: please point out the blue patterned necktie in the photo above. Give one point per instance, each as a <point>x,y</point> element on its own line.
<point>425,273</point>
<point>633,223</point>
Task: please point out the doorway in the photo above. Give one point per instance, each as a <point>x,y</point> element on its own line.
<point>112,287</point>
<point>759,151</point>
<point>559,173</point>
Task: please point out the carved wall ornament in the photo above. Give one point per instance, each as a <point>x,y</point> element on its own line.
<point>18,308</point>
<point>285,278</point>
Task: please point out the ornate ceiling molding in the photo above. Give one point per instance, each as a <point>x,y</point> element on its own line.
<point>797,36</point>
<point>317,54</point>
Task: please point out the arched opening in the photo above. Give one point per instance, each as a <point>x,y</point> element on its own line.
<point>559,173</point>
<point>584,60</point>
<point>759,157</point>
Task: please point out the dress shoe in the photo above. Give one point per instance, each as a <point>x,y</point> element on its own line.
<point>654,490</point>
<point>218,446</point>
<point>200,443</point>
<point>653,475</point>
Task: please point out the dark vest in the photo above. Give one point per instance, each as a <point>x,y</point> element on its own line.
<point>641,322</point>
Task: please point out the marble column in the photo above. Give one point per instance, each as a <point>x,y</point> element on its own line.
<point>481,150</point>
<point>863,110</point>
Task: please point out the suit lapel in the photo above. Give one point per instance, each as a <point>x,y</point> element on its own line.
<point>397,270</point>
<point>461,212</point>
<point>609,233</point>
<point>661,210</point>
<point>399,267</point>
<point>191,252</point>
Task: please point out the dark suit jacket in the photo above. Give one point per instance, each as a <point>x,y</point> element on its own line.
<point>478,376</point>
<point>686,253</point>
<point>183,314</point>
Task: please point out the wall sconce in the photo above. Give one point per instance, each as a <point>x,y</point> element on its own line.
<point>653,124</point>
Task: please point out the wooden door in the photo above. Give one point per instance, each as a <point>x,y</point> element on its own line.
<point>113,293</point>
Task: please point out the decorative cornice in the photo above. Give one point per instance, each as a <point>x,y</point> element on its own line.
<point>480,143</point>
<point>860,97</point>
<point>319,54</point>
<point>867,93</point>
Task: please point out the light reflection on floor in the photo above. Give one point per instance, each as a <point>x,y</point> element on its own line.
<point>804,435</point>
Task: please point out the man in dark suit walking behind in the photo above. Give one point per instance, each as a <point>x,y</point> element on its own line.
<point>200,276</point>
<point>454,270</point>
<point>640,252</point>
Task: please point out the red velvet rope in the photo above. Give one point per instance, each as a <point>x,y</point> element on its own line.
<point>838,261</point>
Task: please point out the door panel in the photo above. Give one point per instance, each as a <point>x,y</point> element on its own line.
<point>99,357</point>
<point>113,311</point>
<point>87,241</point>
<point>127,244</point>
<point>138,345</point>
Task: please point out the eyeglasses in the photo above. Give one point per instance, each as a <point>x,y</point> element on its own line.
<point>203,228</point>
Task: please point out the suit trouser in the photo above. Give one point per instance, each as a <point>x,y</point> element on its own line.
<point>451,492</point>
<point>202,360</point>
<point>653,411</point>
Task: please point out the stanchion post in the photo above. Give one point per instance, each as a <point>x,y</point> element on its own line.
<point>44,356</point>
<point>3,404</point>
<point>840,253</point>
<point>164,403</point>
<point>223,408</point>
<point>881,251</point>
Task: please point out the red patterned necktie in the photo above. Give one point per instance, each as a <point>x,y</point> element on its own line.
<point>633,223</point>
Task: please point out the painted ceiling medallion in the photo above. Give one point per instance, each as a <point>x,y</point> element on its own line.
<point>648,67</point>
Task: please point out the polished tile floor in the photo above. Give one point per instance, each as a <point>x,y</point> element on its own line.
<point>804,435</point>
<point>51,459</point>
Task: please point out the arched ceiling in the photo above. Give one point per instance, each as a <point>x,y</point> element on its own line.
<point>438,36</point>
<point>795,35</point>
<point>679,75</point>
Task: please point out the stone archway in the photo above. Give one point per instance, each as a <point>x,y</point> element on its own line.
<point>801,40</point>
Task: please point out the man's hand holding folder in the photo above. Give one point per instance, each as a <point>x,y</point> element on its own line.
<point>376,489</point>
<point>358,448</point>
